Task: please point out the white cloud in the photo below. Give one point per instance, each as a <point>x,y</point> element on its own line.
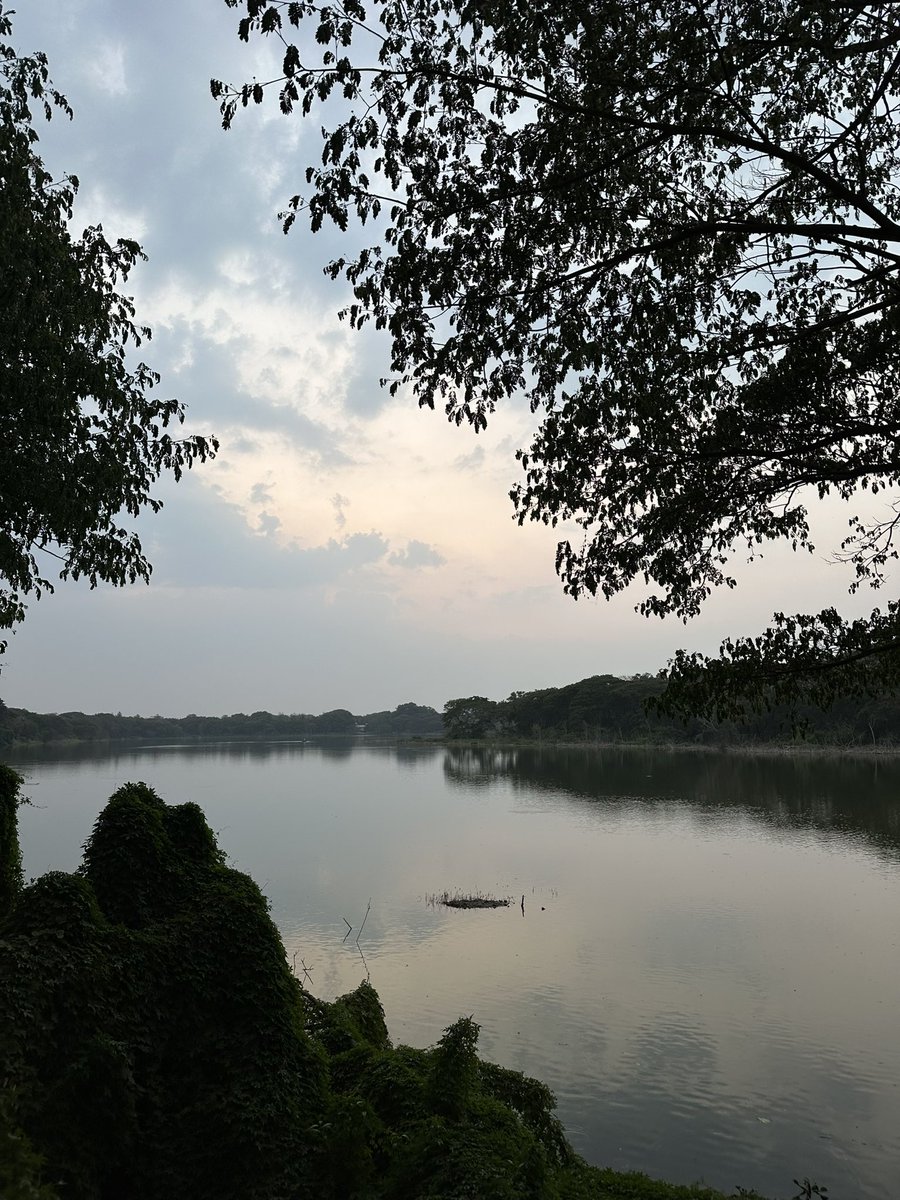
<point>339,503</point>
<point>473,461</point>
<point>105,68</point>
<point>416,554</point>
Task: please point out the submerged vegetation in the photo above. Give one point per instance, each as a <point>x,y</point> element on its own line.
<point>468,900</point>
<point>155,1044</point>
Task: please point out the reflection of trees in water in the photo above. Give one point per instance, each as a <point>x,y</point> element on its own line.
<point>829,792</point>
<point>479,767</point>
<point>129,752</point>
<point>839,794</point>
<point>409,757</point>
<point>334,748</point>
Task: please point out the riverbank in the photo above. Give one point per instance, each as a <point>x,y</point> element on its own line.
<point>775,749</point>
<point>797,749</point>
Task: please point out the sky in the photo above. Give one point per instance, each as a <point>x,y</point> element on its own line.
<point>345,549</point>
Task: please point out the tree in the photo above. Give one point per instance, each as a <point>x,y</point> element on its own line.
<point>472,717</point>
<point>82,436</point>
<point>675,231</point>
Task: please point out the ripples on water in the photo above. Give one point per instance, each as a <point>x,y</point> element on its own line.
<point>707,969</point>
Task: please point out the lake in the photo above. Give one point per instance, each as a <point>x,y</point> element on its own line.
<point>701,957</point>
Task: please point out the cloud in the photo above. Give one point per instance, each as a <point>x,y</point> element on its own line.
<point>261,493</point>
<point>472,461</point>
<point>200,540</point>
<point>204,371</point>
<point>339,503</point>
<point>244,445</point>
<point>363,395</point>
<point>268,523</point>
<point>106,68</point>
<point>417,554</point>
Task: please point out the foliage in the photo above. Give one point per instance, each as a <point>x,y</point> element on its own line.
<point>353,1020</point>
<point>793,662</point>
<point>632,1185</point>
<point>457,899</point>
<point>808,1190</point>
<point>600,708</point>
<point>407,720</point>
<point>156,1048</point>
<point>143,857</point>
<point>472,717</point>
<point>605,708</point>
<point>687,272</point>
<point>160,1047</point>
<point>20,725</point>
<point>10,853</point>
<point>454,1067</point>
<point>20,1167</point>
<point>84,438</point>
<point>533,1101</point>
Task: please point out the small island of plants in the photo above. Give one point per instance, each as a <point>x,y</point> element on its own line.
<point>468,900</point>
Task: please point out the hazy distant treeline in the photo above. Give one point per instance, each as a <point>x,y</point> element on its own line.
<point>608,708</point>
<point>601,708</point>
<point>20,725</point>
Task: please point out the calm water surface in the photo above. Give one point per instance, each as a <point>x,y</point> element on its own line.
<point>707,968</point>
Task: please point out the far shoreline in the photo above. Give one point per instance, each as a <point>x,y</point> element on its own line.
<point>796,749</point>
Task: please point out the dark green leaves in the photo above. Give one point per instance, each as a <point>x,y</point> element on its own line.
<point>83,435</point>
<point>690,273</point>
<point>801,659</point>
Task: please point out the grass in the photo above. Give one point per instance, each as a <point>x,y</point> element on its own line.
<point>466,900</point>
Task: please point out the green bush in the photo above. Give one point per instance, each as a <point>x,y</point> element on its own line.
<point>10,854</point>
<point>156,1042</point>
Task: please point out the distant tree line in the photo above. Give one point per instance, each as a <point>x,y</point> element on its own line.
<point>603,708</point>
<point>606,708</point>
<point>19,725</point>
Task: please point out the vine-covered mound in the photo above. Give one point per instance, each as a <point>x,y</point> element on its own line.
<point>154,1044</point>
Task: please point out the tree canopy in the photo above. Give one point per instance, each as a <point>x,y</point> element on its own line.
<point>83,437</point>
<point>674,230</point>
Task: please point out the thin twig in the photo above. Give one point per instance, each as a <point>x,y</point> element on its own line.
<point>365,964</point>
<point>307,971</point>
<point>365,918</point>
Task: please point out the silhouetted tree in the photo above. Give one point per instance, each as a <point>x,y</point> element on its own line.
<point>83,438</point>
<point>676,232</point>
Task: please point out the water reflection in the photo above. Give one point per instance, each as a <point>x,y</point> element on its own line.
<point>843,794</point>
<point>706,971</point>
<point>334,748</point>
